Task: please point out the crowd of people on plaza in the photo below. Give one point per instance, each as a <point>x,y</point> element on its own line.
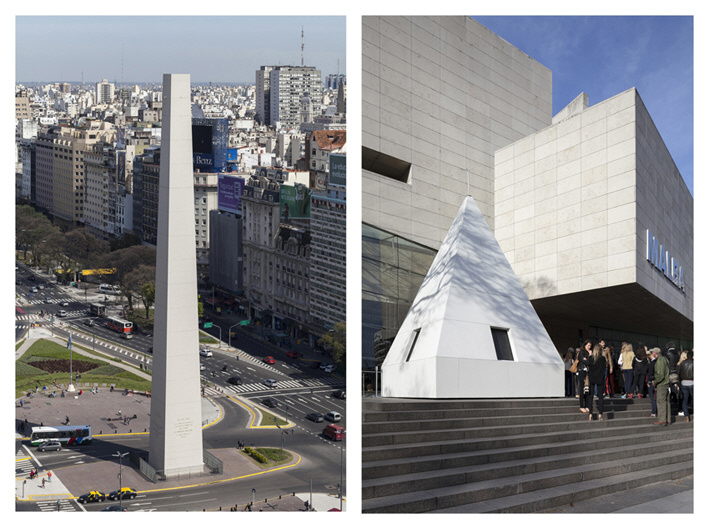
<point>596,370</point>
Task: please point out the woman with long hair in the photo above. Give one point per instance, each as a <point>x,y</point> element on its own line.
<point>640,370</point>
<point>597,380</point>
<point>627,356</point>
<point>568,376</point>
<point>610,377</point>
<point>582,386</point>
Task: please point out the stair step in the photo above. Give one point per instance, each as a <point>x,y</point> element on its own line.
<point>392,405</point>
<point>463,494</point>
<point>400,484</point>
<point>540,500</point>
<point>372,471</point>
<point>445,447</point>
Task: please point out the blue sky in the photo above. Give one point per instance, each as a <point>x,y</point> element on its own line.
<point>603,56</point>
<point>213,49</point>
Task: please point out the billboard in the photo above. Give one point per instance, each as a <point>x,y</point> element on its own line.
<point>229,191</point>
<point>295,202</point>
<point>338,169</point>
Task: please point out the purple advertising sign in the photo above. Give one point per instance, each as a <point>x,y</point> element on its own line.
<point>229,191</point>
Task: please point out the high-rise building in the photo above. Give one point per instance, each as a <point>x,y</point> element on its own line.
<point>105,92</point>
<point>22,106</point>
<point>100,191</point>
<point>280,91</point>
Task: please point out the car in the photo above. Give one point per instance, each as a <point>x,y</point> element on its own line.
<point>339,394</point>
<point>40,286</point>
<point>62,313</point>
<point>293,354</point>
<point>329,368</point>
<point>90,322</point>
<point>271,403</point>
<point>235,380</point>
<point>271,383</point>
<point>205,352</point>
<point>202,367</point>
<point>65,304</point>
<point>325,365</point>
<point>334,432</point>
<point>92,496</point>
<point>315,417</point>
<point>269,360</point>
<point>333,416</point>
<point>125,493</point>
<point>34,290</point>
<point>114,508</point>
<point>50,445</point>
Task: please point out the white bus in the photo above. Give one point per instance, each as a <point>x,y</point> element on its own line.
<point>66,435</point>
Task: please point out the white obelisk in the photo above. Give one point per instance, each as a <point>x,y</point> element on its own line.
<point>175,414</point>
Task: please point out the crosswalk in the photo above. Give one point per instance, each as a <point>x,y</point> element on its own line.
<point>23,466</point>
<point>51,506</point>
<point>30,317</point>
<point>287,384</point>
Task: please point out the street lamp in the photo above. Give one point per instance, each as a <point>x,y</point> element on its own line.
<point>230,332</point>
<point>120,455</point>
<point>220,333</point>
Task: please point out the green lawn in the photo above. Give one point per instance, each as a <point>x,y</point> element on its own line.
<point>28,376</point>
<point>268,457</point>
<point>270,419</point>
<point>17,346</point>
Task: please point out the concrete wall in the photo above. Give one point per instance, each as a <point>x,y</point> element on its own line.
<point>665,206</point>
<point>565,201</point>
<point>442,93</point>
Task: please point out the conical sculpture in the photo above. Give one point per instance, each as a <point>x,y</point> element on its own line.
<point>176,412</point>
<point>471,331</point>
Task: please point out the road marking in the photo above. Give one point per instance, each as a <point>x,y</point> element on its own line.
<point>192,494</point>
<point>250,368</point>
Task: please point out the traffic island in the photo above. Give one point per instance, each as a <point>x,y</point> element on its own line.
<point>267,457</point>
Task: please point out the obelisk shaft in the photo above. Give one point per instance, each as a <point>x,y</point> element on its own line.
<point>176,418</point>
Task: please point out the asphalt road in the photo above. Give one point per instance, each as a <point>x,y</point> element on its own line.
<point>300,390</point>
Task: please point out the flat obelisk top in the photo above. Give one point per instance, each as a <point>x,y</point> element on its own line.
<point>176,418</point>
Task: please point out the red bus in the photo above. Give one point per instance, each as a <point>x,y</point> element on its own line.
<point>119,325</point>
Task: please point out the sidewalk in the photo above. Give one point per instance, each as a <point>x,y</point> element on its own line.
<point>32,490</point>
<point>324,502</point>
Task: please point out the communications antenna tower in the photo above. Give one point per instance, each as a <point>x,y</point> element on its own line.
<point>302,45</point>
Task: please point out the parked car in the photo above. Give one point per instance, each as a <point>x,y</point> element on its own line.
<point>271,403</point>
<point>334,432</point>
<point>269,360</point>
<point>114,508</point>
<point>92,496</point>
<point>50,445</point>
<point>339,394</point>
<point>315,417</point>
<point>235,380</point>
<point>271,383</point>
<point>125,493</point>
<point>333,416</point>
<point>205,352</point>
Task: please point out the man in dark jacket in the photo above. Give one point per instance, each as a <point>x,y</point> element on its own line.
<point>686,375</point>
<point>650,384</point>
<point>662,383</point>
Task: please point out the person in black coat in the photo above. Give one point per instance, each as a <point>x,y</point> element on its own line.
<point>597,380</point>
<point>585,399</point>
<point>686,375</point>
<point>640,370</point>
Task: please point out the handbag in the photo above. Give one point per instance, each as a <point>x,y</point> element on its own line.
<point>574,366</point>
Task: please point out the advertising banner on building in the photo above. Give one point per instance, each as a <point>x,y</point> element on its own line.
<point>338,169</point>
<point>295,202</point>
<point>229,192</point>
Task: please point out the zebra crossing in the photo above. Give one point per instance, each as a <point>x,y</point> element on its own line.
<point>30,317</point>
<point>23,466</point>
<point>51,506</point>
<point>259,387</point>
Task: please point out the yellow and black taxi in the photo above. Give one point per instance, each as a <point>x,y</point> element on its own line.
<point>125,493</point>
<point>92,496</point>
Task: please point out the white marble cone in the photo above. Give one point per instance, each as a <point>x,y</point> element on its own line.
<point>469,289</point>
<point>175,413</point>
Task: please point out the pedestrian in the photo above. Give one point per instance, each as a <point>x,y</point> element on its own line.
<point>640,367</point>
<point>610,377</point>
<point>686,375</point>
<point>21,403</point>
<point>661,381</point>
<point>582,381</point>
<point>597,380</point>
<point>120,414</point>
<point>43,482</point>
<point>627,356</point>
<point>49,476</point>
<point>568,374</point>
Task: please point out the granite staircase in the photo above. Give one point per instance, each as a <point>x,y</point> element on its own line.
<point>511,455</point>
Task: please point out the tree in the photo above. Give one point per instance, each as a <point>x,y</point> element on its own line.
<point>125,261</point>
<point>147,295</point>
<point>85,248</point>
<point>200,310</point>
<point>127,240</point>
<point>335,341</point>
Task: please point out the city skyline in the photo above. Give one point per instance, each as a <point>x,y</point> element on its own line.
<point>40,57</point>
